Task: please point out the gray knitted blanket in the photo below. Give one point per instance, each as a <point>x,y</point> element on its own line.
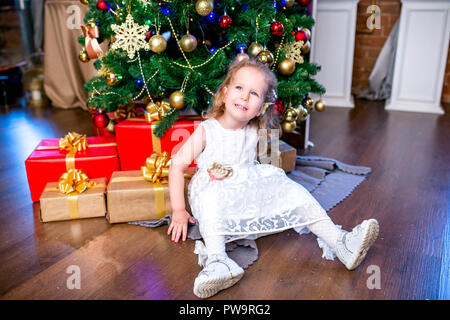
<point>328,180</point>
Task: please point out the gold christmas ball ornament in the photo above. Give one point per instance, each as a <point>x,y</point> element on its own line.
<point>157,43</point>
<point>289,3</point>
<point>120,14</point>
<point>242,56</point>
<point>288,126</point>
<point>111,126</point>
<point>84,1</point>
<point>254,49</point>
<point>91,23</point>
<point>176,100</point>
<point>188,42</point>
<point>319,106</point>
<point>265,57</point>
<point>308,32</point>
<point>111,78</point>
<point>302,113</point>
<point>306,47</point>
<point>83,55</point>
<point>308,103</point>
<point>290,114</point>
<point>286,67</point>
<point>204,7</point>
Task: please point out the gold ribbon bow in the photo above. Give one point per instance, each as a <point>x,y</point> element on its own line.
<point>74,182</point>
<point>157,111</point>
<point>91,33</point>
<point>125,112</point>
<point>156,168</point>
<point>73,142</point>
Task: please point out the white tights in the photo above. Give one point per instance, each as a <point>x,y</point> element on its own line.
<point>327,231</point>
<point>324,229</point>
<point>215,244</point>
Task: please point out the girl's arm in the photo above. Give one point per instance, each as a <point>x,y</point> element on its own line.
<point>179,164</point>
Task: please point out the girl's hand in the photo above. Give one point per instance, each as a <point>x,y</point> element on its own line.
<point>178,226</point>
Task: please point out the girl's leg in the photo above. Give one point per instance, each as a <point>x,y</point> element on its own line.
<point>219,272</point>
<point>215,245</point>
<point>327,231</point>
<point>350,247</point>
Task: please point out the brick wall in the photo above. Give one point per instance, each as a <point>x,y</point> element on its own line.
<point>10,37</point>
<point>368,46</point>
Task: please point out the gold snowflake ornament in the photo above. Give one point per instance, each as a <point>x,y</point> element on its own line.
<point>293,51</point>
<point>130,37</point>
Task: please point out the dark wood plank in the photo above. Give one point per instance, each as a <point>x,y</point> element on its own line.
<point>407,192</point>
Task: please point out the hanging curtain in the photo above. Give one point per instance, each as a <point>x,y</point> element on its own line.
<point>380,80</point>
<point>64,73</point>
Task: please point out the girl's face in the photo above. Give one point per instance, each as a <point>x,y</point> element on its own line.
<point>244,95</point>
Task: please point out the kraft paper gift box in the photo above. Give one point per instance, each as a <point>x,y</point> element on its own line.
<point>132,198</point>
<point>136,140</point>
<point>57,206</point>
<point>47,162</point>
<point>284,158</point>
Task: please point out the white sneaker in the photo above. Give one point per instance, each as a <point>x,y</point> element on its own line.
<point>219,273</point>
<point>352,247</point>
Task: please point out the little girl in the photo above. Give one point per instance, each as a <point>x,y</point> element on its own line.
<point>232,196</point>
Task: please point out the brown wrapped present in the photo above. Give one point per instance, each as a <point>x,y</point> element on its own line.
<point>284,158</point>
<point>133,198</point>
<point>56,205</point>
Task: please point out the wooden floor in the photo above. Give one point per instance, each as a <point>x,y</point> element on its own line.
<point>408,192</point>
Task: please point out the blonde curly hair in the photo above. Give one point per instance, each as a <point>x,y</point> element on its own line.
<point>267,119</point>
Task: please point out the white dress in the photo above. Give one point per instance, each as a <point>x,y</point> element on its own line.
<point>256,200</point>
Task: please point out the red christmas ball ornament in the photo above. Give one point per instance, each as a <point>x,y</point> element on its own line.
<point>304,3</point>
<point>92,112</point>
<point>102,5</point>
<point>276,28</point>
<point>225,21</point>
<point>101,120</point>
<point>301,36</point>
<point>279,106</point>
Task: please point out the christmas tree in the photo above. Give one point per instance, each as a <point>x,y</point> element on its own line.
<point>175,53</point>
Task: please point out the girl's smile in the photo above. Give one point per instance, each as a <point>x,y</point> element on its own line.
<point>241,107</point>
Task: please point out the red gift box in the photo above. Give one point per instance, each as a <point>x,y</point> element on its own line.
<point>47,163</point>
<point>136,140</point>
